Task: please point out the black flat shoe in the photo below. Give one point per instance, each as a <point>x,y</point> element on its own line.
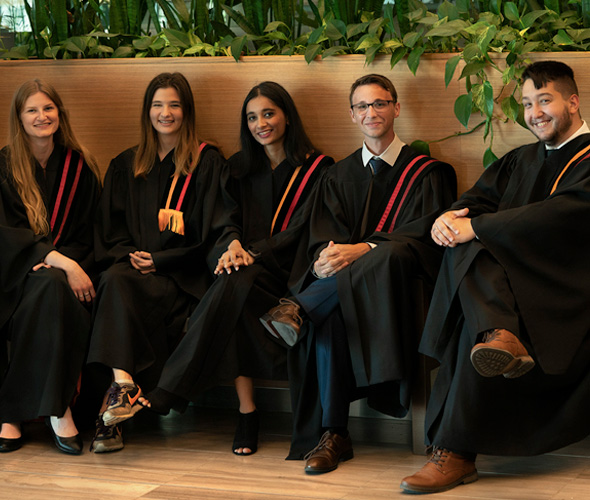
<point>71,445</point>
<point>7,444</point>
<point>247,433</point>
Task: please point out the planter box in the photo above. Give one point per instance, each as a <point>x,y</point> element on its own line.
<point>104,97</point>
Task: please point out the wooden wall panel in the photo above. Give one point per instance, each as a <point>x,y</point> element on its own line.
<point>104,99</point>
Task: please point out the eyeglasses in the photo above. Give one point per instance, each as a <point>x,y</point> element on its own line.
<point>378,105</point>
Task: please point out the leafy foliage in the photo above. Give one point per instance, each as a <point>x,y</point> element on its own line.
<point>474,30</point>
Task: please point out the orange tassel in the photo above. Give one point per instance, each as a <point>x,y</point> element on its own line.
<point>172,220</point>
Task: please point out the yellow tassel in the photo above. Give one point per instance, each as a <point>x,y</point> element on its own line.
<point>172,220</point>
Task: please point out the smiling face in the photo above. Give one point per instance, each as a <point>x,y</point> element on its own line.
<point>40,116</point>
<point>166,112</point>
<point>266,121</point>
<point>548,114</point>
<point>377,127</point>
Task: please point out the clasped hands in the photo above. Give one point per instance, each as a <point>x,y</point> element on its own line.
<point>142,261</point>
<point>452,228</point>
<point>337,256</point>
<point>233,258</point>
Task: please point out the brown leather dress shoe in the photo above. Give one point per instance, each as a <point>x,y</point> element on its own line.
<point>283,322</point>
<point>501,353</point>
<point>443,471</point>
<point>331,449</point>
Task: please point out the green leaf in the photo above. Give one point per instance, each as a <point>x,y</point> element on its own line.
<point>471,52</point>
<point>488,158</point>
<point>142,43</point>
<point>410,39</point>
<point>353,30</point>
<point>333,51</point>
<point>315,35</point>
<point>463,108</point>
<point>451,28</point>
<point>511,11</point>
<point>421,147</point>
<point>75,44</point>
<point>170,52</point>
<point>494,6</point>
<point>177,38</point>
<point>366,42</point>
<point>371,52</point>
<point>510,108</point>
<point>51,52</point>
<point>123,51</point>
<point>562,38</point>
<point>414,59</point>
<point>237,46</point>
<point>397,56</point>
<point>488,94</point>
<point>472,69</point>
<point>104,49</point>
<point>448,10</point>
<point>312,51</point>
<point>529,18</point>
<point>333,30</point>
<point>450,67</point>
<point>483,41</point>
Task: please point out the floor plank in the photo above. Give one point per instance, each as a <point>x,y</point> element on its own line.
<point>188,456</point>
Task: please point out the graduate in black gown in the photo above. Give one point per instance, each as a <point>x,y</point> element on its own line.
<point>158,217</point>
<point>49,188</point>
<point>270,180</point>
<point>371,250</point>
<point>509,320</point>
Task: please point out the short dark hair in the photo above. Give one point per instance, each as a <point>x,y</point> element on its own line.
<point>297,144</point>
<point>543,72</point>
<point>375,79</point>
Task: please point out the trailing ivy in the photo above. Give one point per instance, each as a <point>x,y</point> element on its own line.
<point>473,29</point>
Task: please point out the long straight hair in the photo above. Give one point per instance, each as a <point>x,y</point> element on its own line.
<point>21,162</point>
<point>297,144</point>
<point>186,152</point>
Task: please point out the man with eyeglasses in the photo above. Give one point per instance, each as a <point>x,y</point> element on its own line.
<point>369,235</point>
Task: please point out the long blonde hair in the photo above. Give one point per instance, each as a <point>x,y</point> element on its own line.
<point>21,162</point>
<point>186,153</point>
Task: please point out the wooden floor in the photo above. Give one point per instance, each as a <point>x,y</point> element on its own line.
<point>188,456</point>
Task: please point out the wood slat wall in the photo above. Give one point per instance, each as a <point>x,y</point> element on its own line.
<point>104,100</point>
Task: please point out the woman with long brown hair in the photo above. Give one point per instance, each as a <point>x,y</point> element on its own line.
<point>158,218</point>
<point>49,188</point>
<point>271,183</point>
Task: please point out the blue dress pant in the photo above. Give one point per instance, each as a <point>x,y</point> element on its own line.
<point>334,368</point>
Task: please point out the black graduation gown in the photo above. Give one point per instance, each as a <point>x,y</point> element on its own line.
<point>376,291</point>
<point>542,243</point>
<point>225,338</point>
<point>44,321</point>
<point>138,318</point>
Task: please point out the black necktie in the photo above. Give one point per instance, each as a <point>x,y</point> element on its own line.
<point>376,164</point>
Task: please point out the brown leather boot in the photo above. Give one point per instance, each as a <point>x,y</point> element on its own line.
<point>501,353</point>
<point>443,471</point>
<point>283,322</point>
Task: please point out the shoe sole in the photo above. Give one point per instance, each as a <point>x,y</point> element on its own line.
<point>100,448</point>
<point>277,334</point>
<point>109,419</point>
<point>343,458</point>
<point>491,362</point>
<point>469,478</point>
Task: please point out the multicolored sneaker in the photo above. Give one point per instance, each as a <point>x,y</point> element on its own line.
<point>122,403</point>
<point>106,438</point>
